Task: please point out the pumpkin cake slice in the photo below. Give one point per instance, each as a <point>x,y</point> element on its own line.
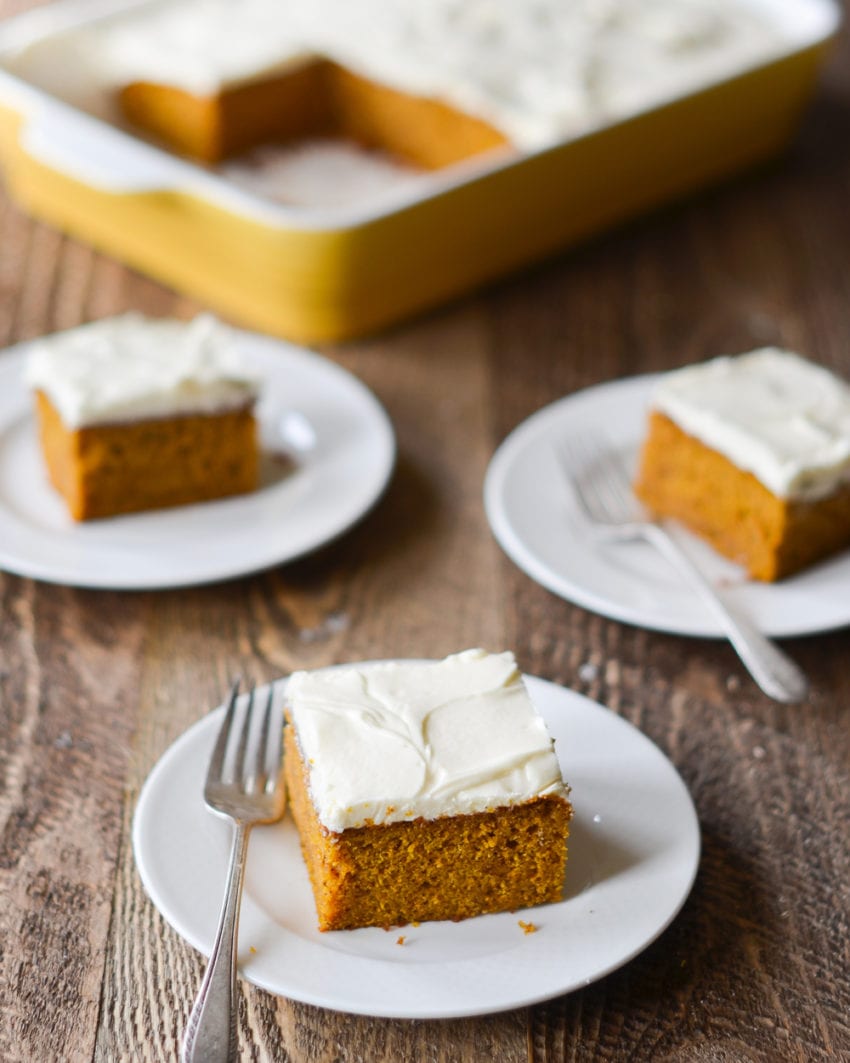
<point>137,413</point>
<point>752,453</point>
<point>424,790</point>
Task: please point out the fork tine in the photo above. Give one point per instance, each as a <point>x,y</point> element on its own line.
<point>621,484</point>
<point>217,759</point>
<point>601,481</point>
<point>242,747</point>
<point>615,458</point>
<point>591,488</point>
<point>260,774</point>
<point>570,453</point>
<point>608,486</point>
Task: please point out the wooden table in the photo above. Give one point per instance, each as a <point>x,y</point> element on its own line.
<point>94,686</point>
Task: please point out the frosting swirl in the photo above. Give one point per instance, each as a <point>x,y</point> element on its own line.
<point>401,740</point>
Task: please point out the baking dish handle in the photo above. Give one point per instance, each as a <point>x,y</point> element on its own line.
<point>82,148</point>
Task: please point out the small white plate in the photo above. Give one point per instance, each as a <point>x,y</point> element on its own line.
<point>634,850</point>
<point>536,520</point>
<point>329,451</point>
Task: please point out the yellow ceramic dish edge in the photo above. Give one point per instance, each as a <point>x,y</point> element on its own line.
<point>316,285</point>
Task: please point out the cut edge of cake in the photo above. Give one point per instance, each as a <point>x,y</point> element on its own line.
<point>313,101</point>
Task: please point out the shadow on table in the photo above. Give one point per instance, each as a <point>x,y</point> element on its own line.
<point>693,992</point>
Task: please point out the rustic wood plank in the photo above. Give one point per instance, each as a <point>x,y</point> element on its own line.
<point>67,716</point>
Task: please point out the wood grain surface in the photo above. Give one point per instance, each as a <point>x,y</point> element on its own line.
<point>94,686</point>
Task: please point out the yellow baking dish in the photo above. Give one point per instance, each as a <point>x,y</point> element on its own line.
<point>315,275</point>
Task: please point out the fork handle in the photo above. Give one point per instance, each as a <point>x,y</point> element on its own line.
<point>772,669</point>
<point>211,1035</point>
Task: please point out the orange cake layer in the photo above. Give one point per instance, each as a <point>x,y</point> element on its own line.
<point>771,537</point>
<point>452,867</point>
<point>317,99</point>
<point>106,469</point>
<point>210,128</point>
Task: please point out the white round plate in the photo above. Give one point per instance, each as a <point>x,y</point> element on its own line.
<point>538,523</point>
<point>634,850</point>
<point>328,452</point>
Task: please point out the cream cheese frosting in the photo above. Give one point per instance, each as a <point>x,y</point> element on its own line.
<point>771,413</point>
<point>537,70</point>
<point>132,367</point>
<point>406,739</point>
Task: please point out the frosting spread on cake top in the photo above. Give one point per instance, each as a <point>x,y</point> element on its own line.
<point>401,740</point>
<point>537,70</point>
<point>132,367</point>
<point>771,413</point>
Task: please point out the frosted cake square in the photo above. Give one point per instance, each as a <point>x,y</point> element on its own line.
<point>137,413</point>
<point>752,453</point>
<point>424,790</point>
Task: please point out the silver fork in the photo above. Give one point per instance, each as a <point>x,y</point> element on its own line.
<point>245,785</point>
<point>603,490</point>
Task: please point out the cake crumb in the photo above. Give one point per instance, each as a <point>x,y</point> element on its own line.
<point>528,928</point>
<point>588,672</point>
<point>333,624</point>
<point>336,622</point>
<point>400,939</point>
<point>252,950</point>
